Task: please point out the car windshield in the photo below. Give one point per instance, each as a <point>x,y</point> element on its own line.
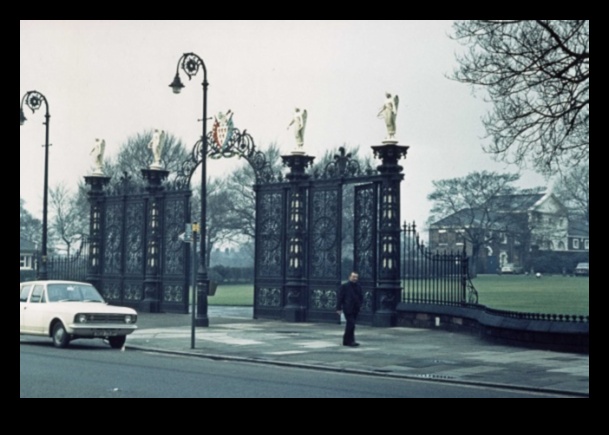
<point>73,293</point>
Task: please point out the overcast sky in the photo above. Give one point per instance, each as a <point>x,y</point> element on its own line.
<point>109,79</point>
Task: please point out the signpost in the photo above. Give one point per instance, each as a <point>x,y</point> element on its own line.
<point>190,236</point>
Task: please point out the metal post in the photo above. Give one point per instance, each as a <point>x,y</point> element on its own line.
<point>190,64</point>
<point>193,302</point>
<point>43,269</point>
<point>34,99</point>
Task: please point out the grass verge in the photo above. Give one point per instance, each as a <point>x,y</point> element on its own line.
<point>547,295</point>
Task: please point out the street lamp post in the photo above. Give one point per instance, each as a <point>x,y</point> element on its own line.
<point>190,64</point>
<point>34,99</point>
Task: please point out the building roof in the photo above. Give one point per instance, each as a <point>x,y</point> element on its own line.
<point>26,245</point>
<point>578,228</point>
<point>516,202</point>
<point>458,219</point>
<point>496,207</point>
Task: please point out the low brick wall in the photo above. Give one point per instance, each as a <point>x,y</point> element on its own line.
<point>502,327</point>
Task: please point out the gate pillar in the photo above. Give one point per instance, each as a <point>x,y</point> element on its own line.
<point>152,277</point>
<point>96,196</point>
<point>295,286</point>
<point>387,292</point>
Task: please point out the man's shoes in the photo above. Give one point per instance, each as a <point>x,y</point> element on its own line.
<point>354,344</point>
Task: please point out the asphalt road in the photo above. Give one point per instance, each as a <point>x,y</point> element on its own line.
<point>90,369</point>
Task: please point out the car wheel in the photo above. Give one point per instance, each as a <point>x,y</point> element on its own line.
<point>61,338</point>
<point>117,342</point>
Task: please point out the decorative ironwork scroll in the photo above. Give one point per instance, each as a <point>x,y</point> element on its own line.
<point>343,166</point>
<point>174,255</point>
<point>134,252</point>
<point>323,299</point>
<point>240,144</point>
<point>113,238</point>
<point>270,232</point>
<point>268,297</point>
<point>325,235</point>
<point>365,231</point>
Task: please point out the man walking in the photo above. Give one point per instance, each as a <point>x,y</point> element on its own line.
<point>350,300</point>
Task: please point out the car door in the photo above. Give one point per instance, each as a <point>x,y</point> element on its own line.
<point>24,294</point>
<point>35,316</point>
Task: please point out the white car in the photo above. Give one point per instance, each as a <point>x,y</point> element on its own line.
<point>511,269</point>
<point>69,310</point>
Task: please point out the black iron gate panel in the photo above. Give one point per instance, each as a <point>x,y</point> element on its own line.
<point>324,249</point>
<point>134,249</point>
<point>175,253</point>
<point>113,242</point>
<point>270,252</point>
<point>365,241</point>
<point>123,249</point>
<point>325,232</point>
<point>125,239</point>
<point>113,245</point>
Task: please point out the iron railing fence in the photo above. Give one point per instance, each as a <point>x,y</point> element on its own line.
<point>436,277</point>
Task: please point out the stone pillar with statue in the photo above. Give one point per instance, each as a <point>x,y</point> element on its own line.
<point>295,287</point>
<point>96,182</point>
<point>387,292</point>
<point>154,176</point>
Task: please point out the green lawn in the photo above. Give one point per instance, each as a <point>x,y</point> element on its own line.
<point>233,294</point>
<point>547,295</point>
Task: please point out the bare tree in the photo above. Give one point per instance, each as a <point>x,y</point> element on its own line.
<point>30,228</point>
<point>220,207</point>
<point>67,223</point>
<point>134,156</point>
<point>240,184</point>
<point>231,205</point>
<point>573,189</point>
<point>469,204</point>
<point>536,74</point>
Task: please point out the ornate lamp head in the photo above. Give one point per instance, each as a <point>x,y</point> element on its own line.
<point>177,84</point>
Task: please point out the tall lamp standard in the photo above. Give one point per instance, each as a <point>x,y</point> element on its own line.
<point>34,99</point>
<point>190,64</point>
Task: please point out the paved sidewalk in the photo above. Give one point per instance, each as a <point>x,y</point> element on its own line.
<point>439,355</point>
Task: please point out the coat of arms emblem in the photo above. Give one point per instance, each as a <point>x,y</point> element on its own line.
<point>222,131</point>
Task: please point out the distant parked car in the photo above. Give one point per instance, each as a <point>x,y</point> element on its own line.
<point>69,310</point>
<point>510,269</point>
<point>582,269</point>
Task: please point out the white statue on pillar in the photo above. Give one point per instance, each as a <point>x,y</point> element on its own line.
<point>156,145</point>
<point>98,156</point>
<point>300,122</point>
<point>389,112</point>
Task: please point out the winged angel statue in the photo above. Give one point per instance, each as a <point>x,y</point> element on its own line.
<point>156,145</point>
<point>98,156</point>
<point>389,112</point>
<point>299,121</point>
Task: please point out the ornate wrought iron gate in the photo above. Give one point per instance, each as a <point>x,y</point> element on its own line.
<point>299,230</point>
<point>136,257</point>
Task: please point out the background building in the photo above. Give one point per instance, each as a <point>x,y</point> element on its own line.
<point>530,231</point>
<point>27,254</point>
